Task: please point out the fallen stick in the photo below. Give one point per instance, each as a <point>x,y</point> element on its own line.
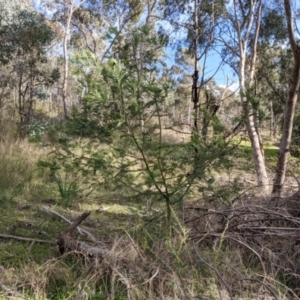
<point>19,238</point>
<point>76,222</point>
<point>79,229</point>
<point>67,243</point>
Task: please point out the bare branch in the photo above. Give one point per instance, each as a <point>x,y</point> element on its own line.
<point>289,17</point>
<point>215,270</point>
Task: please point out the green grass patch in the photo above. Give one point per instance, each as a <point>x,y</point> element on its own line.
<point>132,226</point>
<point>271,155</point>
<point>245,154</point>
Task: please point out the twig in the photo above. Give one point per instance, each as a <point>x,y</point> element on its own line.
<point>277,282</point>
<point>251,249</point>
<point>125,281</point>
<point>215,270</point>
<point>152,277</point>
<point>266,227</point>
<point>47,209</point>
<point>19,238</point>
<point>239,242</point>
<point>135,246</point>
<point>262,283</point>
<point>253,279</point>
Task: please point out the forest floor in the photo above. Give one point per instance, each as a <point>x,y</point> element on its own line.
<point>217,250</point>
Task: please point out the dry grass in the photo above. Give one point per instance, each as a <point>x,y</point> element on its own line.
<point>19,176</point>
<point>126,273</point>
<point>255,240</point>
<point>241,251</point>
<point>216,255</point>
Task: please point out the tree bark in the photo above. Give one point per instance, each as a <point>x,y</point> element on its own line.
<point>250,22</point>
<point>271,120</point>
<point>195,89</point>
<point>72,9</point>
<point>290,106</point>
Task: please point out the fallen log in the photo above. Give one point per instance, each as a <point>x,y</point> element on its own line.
<point>66,241</point>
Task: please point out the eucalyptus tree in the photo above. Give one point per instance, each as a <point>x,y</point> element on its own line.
<point>196,21</point>
<point>10,5</point>
<point>25,38</point>
<point>273,66</point>
<point>239,35</point>
<point>290,104</point>
<point>92,25</point>
<point>62,11</point>
<point>89,28</point>
<point>194,27</point>
<point>71,7</point>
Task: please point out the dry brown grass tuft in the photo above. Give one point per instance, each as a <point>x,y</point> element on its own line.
<point>18,160</point>
<point>17,147</point>
<point>127,272</point>
<point>221,265</point>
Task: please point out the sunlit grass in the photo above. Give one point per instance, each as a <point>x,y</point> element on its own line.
<point>270,153</point>
<point>115,214</point>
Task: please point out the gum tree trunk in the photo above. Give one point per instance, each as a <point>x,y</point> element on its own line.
<point>244,24</point>
<point>71,11</point>
<point>290,106</point>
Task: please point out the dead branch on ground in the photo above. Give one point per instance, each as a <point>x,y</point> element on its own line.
<point>79,229</point>
<point>265,231</point>
<point>68,243</point>
<point>19,238</point>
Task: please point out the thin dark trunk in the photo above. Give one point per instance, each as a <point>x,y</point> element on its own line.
<point>31,95</point>
<point>206,118</point>
<point>271,119</point>
<point>195,89</point>
<point>20,100</point>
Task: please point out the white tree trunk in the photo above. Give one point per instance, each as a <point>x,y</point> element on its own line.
<point>72,9</point>
<point>243,29</point>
